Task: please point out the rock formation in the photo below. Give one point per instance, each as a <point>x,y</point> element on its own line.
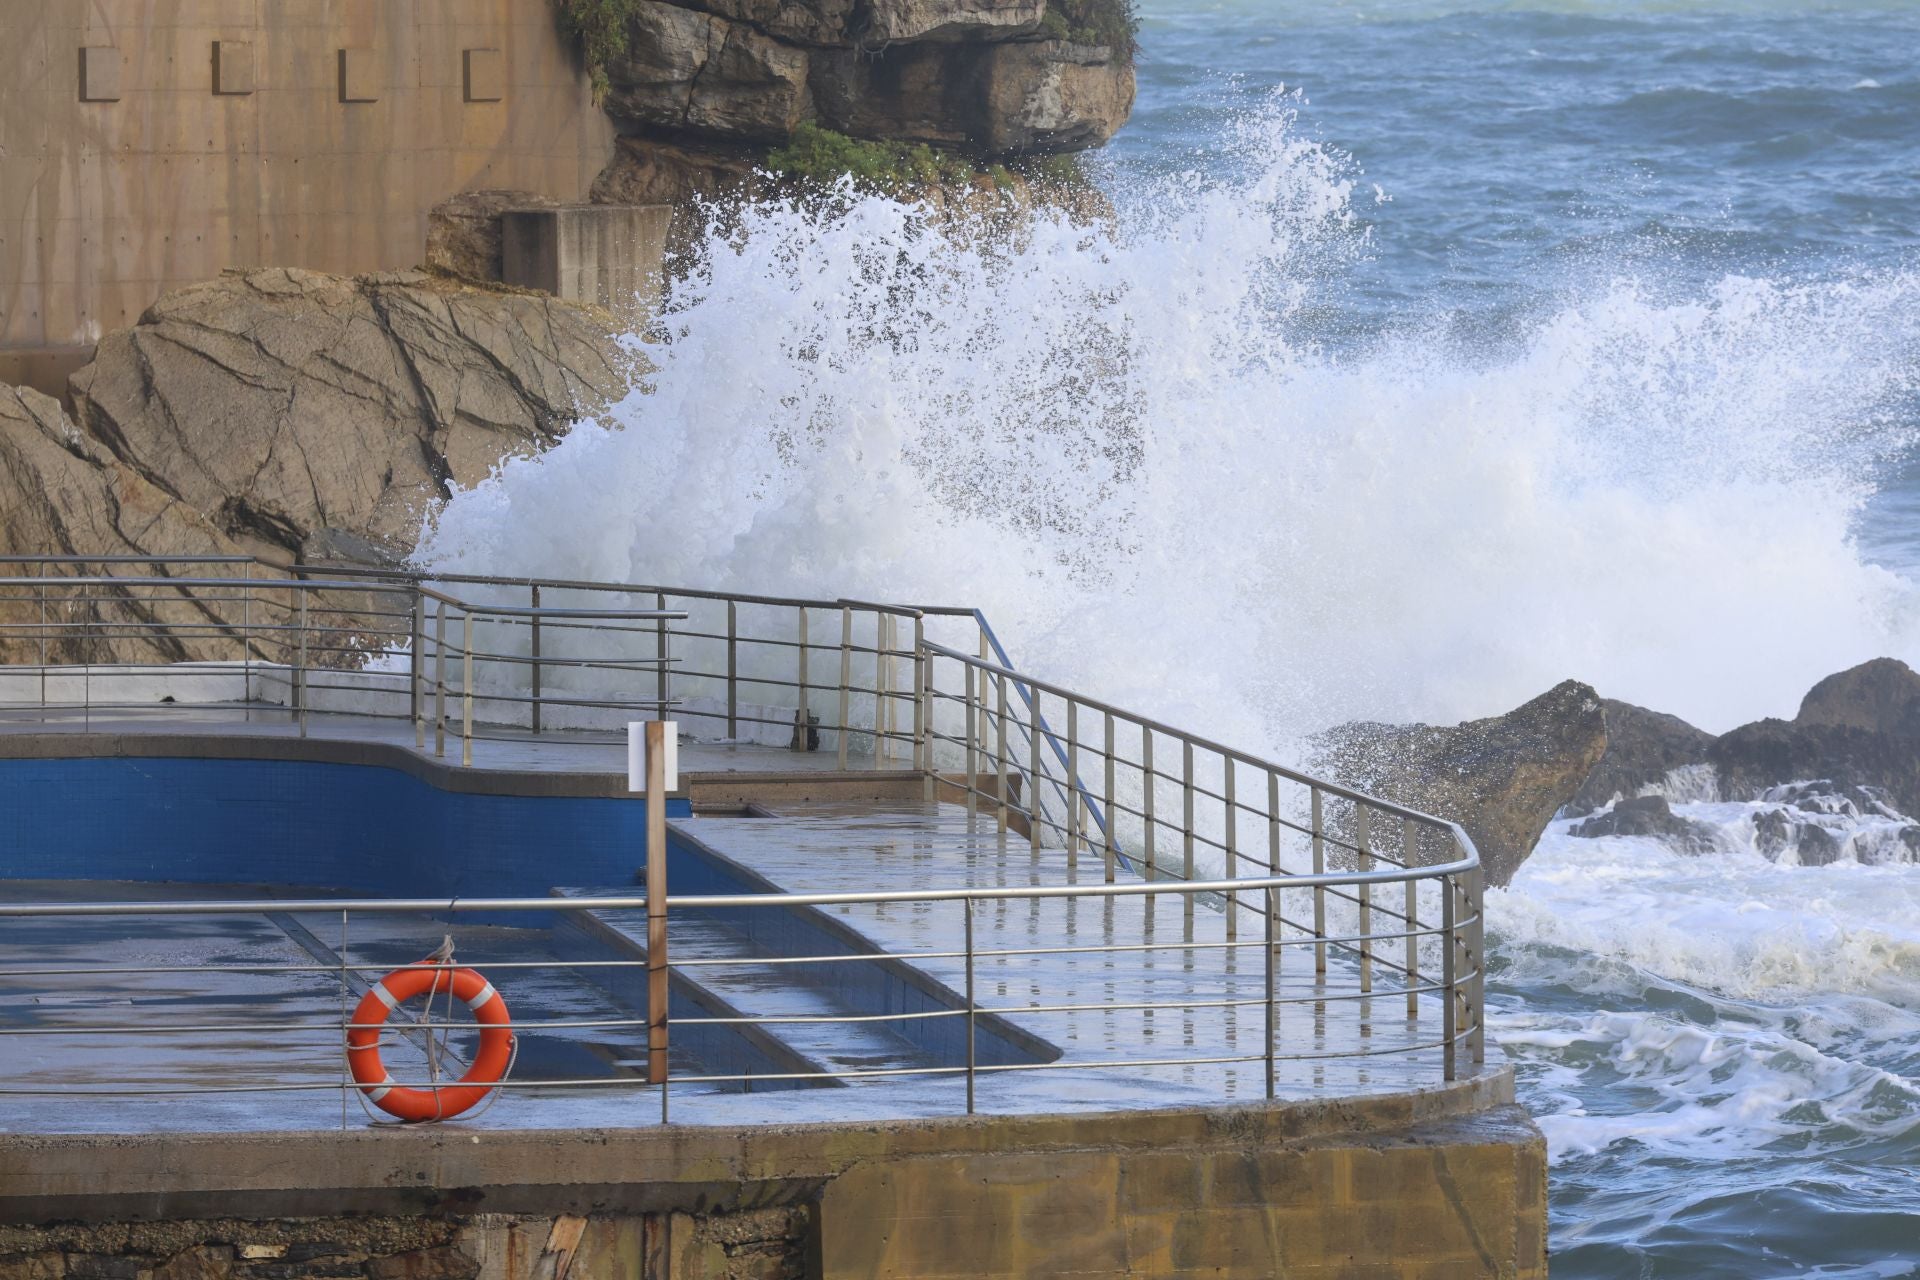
<point>704,88</point>
<point>1643,747</point>
<point>286,414</point>
<point>1502,778</point>
<point>280,406</point>
<point>1649,815</point>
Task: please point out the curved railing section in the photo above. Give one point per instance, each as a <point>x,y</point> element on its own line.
<point>1379,906</point>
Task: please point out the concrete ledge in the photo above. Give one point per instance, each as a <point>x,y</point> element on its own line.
<point>1443,1182</point>
<point>654,1169</point>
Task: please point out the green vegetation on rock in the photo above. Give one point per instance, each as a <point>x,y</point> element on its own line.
<point>820,155</point>
<point>1112,23</point>
<point>598,28</point>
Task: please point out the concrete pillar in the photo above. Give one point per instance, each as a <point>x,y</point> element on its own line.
<point>606,253</point>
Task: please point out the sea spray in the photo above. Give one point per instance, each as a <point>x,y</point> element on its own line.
<point>1131,446</point>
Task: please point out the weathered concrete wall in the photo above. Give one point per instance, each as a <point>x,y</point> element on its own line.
<point>1446,1182</point>
<point>771,1244</point>
<point>134,160</point>
<point>609,254</point>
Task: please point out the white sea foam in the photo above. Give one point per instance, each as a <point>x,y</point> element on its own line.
<point>1126,445</point>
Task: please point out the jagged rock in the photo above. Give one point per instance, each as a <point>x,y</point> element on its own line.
<point>1776,832</point>
<point>1502,779</point>
<point>1756,758</point>
<point>1020,97</point>
<point>652,171</point>
<point>1824,796</point>
<point>810,22</point>
<point>897,21</point>
<point>1642,748</point>
<point>1880,696</point>
<point>1648,816</point>
<point>278,404</point>
<point>693,71</point>
<point>463,234</point>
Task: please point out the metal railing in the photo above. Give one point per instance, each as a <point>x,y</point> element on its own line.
<point>1386,901</point>
<point>1237,1056</point>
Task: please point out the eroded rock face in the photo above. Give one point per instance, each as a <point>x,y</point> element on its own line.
<point>463,233</point>
<point>1880,696</point>
<point>279,406</point>
<point>1502,779</point>
<point>1016,98</point>
<point>1643,747</point>
<point>701,73</point>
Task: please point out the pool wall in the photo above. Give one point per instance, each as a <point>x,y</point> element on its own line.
<point>361,829</point>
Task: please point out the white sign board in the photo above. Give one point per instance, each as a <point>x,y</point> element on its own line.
<point>637,754</point>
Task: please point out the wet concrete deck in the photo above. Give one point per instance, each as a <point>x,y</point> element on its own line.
<point>283,1068</point>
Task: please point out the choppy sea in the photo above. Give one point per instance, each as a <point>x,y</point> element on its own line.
<point>1439,352</point>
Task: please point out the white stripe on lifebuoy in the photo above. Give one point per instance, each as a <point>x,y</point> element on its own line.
<point>385,996</point>
<point>480,997</point>
<point>382,1089</point>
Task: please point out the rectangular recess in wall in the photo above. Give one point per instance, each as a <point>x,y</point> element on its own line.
<point>484,72</point>
<point>100,74</point>
<point>359,77</point>
<point>232,66</point>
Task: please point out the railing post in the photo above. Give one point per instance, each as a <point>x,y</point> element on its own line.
<point>967,905</point>
<point>1410,858</point>
<point>1186,825</point>
<point>466,688</point>
<point>300,676</point>
<point>416,673</point>
<point>1146,807</point>
<point>534,596</point>
<point>1073,790</point>
<point>923,710</point>
<point>662,657</point>
<point>1273,824</point>
<point>1476,940</point>
<point>658,994</point>
<point>972,762</point>
<point>882,678</point>
<point>1233,850</point>
<point>1319,827</point>
<point>733,670</point>
<point>1034,762</point>
<point>1000,755</point>
<point>805,717</point>
<point>1363,844</point>
<point>1273,963</point>
<point>1108,838</point>
<point>846,682</point>
<point>1449,976</point>
<point>440,679</point>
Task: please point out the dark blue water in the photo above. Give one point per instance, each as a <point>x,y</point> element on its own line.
<point>1532,154</point>
<point>1724,1053</point>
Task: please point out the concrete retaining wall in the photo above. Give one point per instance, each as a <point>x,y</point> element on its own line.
<point>1447,1182</point>
<point>151,143</point>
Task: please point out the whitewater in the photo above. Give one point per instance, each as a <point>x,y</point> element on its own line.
<point>1230,458</point>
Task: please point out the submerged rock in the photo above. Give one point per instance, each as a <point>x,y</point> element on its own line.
<point>1649,815</point>
<point>1503,778</point>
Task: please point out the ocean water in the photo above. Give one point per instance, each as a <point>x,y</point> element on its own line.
<point>1437,352</point>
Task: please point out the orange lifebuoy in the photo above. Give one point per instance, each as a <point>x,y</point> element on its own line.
<point>437,1102</point>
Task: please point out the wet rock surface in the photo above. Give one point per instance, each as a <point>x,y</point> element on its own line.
<point>1502,779</point>
<point>1648,816</point>
<point>1643,747</point>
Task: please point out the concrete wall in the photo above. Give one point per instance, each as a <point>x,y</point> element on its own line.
<point>160,180</point>
<point>1442,1184</point>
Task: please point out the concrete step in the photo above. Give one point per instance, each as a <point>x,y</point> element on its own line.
<point>760,989</point>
